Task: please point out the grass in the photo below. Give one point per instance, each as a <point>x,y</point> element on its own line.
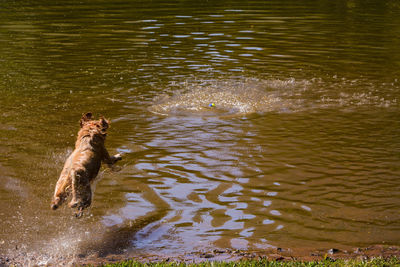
<point>266,263</point>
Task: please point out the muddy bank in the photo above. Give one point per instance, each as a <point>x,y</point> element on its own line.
<point>273,254</point>
<point>279,254</point>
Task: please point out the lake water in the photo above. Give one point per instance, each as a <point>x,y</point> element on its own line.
<point>300,147</point>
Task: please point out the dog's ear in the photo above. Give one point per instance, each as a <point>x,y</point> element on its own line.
<point>85,118</point>
<point>104,123</point>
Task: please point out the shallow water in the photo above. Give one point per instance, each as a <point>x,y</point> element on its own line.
<point>300,148</point>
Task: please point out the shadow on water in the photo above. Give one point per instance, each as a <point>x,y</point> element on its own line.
<point>116,239</point>
<point>75,242</point>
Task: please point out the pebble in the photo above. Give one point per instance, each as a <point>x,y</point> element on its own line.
<point>333,251</point>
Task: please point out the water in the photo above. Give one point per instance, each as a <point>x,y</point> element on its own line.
<point>301,149</point>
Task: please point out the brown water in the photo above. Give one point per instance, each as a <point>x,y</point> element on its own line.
<point>302,148</point>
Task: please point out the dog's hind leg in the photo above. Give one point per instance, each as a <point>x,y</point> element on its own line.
<point>62,190</point>
<point>81,191</point>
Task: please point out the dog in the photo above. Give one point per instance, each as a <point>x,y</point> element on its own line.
<point>83,165</point>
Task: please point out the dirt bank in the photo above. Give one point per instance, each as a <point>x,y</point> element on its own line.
<point>275,254</point>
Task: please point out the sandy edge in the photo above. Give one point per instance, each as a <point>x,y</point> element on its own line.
<point>274,254</point>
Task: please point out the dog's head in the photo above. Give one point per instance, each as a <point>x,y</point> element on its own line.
<point>96,128</point>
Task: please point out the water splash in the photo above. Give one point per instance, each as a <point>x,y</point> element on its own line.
<point>230,97</point>
<point>250,95</point>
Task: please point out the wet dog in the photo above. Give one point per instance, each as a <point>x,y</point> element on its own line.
<point>83,165</point>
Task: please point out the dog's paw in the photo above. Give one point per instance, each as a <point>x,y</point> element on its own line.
<point>117,157</point>
<point>55,203</point>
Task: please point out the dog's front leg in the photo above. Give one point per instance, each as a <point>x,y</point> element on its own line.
<point>110,160</point>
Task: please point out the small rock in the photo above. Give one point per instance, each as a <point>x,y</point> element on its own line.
<point>333,251</point>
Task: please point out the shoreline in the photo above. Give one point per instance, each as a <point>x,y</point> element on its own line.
<point>216,255</point>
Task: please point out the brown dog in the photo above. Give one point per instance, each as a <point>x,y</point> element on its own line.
<point>83,165</point>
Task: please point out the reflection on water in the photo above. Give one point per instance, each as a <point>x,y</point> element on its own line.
<point>300,148</point>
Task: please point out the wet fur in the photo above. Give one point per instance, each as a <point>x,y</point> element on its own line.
<point>83,165</point>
